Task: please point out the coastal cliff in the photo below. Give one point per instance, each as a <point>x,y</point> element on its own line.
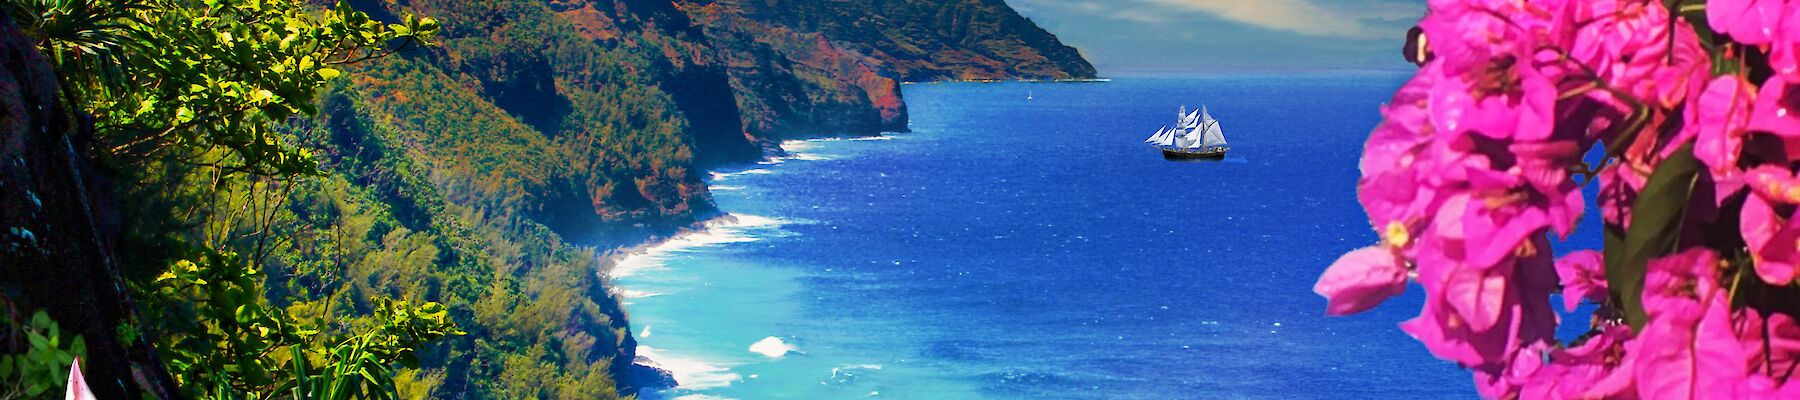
<point>484,172</point>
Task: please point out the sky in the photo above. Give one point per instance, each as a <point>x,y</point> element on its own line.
<point>1173,37</point>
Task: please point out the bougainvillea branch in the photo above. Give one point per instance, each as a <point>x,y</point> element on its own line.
<point>1691,106</point>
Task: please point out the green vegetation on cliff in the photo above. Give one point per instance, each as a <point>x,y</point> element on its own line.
<point>263,196</point>
<point>930,40</point>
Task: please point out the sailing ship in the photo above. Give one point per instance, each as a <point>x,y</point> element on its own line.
<point>1196,135</point>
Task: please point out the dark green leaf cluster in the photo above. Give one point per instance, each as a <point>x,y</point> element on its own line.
<point>38,356</point>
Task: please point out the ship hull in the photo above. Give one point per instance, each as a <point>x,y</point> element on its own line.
<point>1203,154</point>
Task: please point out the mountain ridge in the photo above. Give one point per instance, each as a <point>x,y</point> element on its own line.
<point>487,172</point>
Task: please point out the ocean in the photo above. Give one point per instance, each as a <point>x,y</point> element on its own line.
<point>1035,248</point>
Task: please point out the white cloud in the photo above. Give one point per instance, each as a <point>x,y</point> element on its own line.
<point>1308,17</point>
<point>1351,19</point>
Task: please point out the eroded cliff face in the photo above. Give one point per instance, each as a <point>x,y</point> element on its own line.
<point>791,84</point>
<point>930,40</point>
<point>57,226</point>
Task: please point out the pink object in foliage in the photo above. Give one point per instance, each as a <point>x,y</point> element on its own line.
<point>78,387</point>
<point>1361,280</point>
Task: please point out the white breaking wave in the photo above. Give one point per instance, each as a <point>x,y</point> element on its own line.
<point>633,294</point>
<point>719,176</point>
<point>627,295</point>
<point>690,373</point>
<point>722,230</point>
<point>849,367</point>
<point>843,139</point>
<point>799,150</point>
<point>725,188</point>
<point>773,347</point>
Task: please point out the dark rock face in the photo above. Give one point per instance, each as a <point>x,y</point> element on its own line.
<point>793,84</point>
<point>644,374</point>
<point>58,224</point>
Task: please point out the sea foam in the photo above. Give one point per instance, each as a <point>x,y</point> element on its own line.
<point>773,347</point>
<point>720,176</point>
<point>717,231</point>
<point>690,373</point>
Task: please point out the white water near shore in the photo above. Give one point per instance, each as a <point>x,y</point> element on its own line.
<point>731,326</point>
<point>722,230</point>
<point>689,372</point>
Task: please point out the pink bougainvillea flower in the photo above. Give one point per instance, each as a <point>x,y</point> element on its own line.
<point>1775,184</point>
<point>1777,353</point>
<point>1773,240</point>
<point>1393,160</point>
<point>1480,317</point>
<point>1506,99</point>
<point>1688,348</point>
<point>1475,163</point>
<point>1615,36</point>
<point>1361,280</point>
<point>1491,82</point>
<point>1545,167</point>
<point>1583,276</point>
<point>1444,333</point>
<point>1721,116</point>
<point>1751,22</point>
<point>1467,35</point>
<point>1598,367</point>
<point>1680,285</point>
<point>1494,229</point>
<point>1784,49</point>
<point>1684,356</point>
<point>1777,108</point>
<point>1686,71</point>
<point>1772,346</point>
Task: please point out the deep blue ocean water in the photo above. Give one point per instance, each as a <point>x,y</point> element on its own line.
<point>1014,248</point>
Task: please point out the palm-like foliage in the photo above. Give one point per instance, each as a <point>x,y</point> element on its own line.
<point>87,40</point>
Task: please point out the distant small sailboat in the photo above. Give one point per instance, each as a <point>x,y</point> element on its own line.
<point>1029,95</point>
<point>1196,135</point>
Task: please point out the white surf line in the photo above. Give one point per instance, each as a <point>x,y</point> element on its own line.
<point>692,373</point>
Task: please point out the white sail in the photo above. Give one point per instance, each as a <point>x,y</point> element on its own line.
<point>1205,117</point>
<point>1157,135</point>
<point>1214,135</point>
<point>1167,138</point>
<point>1191,121</point>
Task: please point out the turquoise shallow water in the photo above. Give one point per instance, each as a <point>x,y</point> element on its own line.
<point>1014,248</point>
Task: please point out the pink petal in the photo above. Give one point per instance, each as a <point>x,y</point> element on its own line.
<point>1777,108</point>
<point>1697,360</point>
<point>1723,15</point>
<point>1775,184</point>
<point>1479,295</point>
<point>78,387</point>
<point>1583,275</point>
<point>1723,112</point>
<point>1490,245</point>
<point>1361,280</point>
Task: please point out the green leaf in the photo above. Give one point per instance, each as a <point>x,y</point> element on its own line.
<point>37,341</point>
<point>329,73</point>
<point>1654,232</point>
